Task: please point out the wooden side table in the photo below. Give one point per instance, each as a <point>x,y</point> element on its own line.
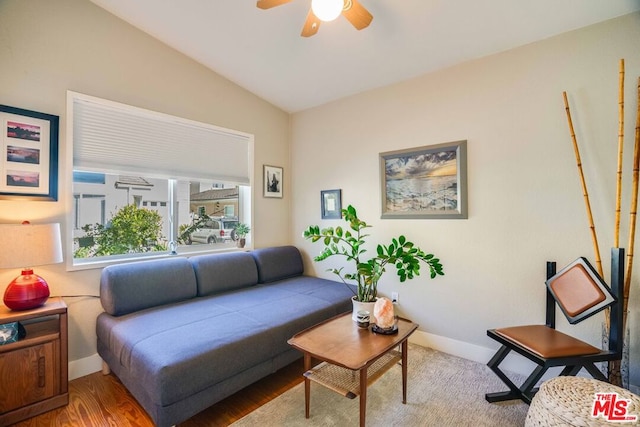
<point>353,358</point>
<point>33,370</point>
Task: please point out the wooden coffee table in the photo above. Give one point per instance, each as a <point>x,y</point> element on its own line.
<point>344,350</point>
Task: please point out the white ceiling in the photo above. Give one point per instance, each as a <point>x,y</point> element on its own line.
<point>262,51</point>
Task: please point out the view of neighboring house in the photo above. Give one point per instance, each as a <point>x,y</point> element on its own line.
<point>215,202</point>
<point>98,196</point>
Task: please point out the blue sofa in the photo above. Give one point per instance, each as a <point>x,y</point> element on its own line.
<point>184,333</point>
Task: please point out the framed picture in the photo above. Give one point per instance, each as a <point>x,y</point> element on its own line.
<point>331,204</point>
<point>29,164</point>
<point>272,181</point>
<point>425,182</point>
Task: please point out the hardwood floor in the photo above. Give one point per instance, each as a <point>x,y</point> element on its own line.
<point>98,400</point>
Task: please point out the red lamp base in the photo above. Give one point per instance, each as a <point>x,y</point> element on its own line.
<point>26,291</point>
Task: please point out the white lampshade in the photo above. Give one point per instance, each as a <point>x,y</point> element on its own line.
<point>327,10</point>
<point>27,245</point>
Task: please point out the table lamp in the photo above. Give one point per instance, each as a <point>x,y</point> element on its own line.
<point>26,245</point>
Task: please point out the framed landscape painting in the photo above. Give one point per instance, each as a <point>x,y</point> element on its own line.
<point>29,151</point>
<point>425,182</point>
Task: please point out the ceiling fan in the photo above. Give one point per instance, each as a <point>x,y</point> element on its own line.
<point>351,9</point>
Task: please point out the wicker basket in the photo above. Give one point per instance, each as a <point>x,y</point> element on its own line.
<point>568,401</point>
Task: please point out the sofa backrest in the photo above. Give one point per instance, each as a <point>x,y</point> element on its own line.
<point>216,273</point>
<point>125,288</point>
<point>278,263</point>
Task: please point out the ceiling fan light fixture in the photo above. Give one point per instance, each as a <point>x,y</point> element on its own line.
<point>327,10</point>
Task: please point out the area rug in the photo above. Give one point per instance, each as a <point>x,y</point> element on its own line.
<point>443,390</point>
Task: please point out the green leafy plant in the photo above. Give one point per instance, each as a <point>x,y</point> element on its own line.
<point>242,230</point>
<point>130,230</point>
<point>350,243</point>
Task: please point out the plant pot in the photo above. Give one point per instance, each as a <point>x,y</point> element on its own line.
<point>241,242</point>
<point>358,305</point>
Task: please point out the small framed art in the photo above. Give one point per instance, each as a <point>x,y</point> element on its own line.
<point>331,204</point>
<point>29,151</point>
<point>272,181</point>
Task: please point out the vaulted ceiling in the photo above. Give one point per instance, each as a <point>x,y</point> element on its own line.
<point>262,51</point>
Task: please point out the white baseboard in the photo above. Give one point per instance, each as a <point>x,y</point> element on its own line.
<point>85,366</point>
<point>88,365</point>
<point>469,351</point>
<point>514,363</point>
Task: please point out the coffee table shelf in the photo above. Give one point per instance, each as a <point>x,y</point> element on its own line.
<point>346,381</point>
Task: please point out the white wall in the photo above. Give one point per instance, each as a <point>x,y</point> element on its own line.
<point>525,199</point>
<point>524,194</point>
<point>48,47</point>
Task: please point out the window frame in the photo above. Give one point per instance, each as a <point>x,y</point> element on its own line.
<point>245,196</point>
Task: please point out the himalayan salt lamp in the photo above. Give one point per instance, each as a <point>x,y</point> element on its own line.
<point>383,312</point>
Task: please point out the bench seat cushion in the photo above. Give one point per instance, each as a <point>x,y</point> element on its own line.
<point>180,349</point>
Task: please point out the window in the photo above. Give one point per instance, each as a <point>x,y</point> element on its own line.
<point>148,184</point>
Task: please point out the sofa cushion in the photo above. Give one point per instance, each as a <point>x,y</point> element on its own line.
<point>278,263</point>
<point>216,273</point>
<point>125,288</point>
<point>301,303</point>
<point>181,349</point>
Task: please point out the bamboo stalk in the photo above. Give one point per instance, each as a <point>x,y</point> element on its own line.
<point>632,214</point>
<point>585,193</point>
<point>614,366</point>
<point>616,239</point>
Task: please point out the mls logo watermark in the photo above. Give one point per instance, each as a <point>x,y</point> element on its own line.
<point>612,408</point>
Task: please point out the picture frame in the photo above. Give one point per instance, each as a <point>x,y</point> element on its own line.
<point>331,204</point>
<point>273,182</point>
<point>428,182</point>
<point>29,155</point>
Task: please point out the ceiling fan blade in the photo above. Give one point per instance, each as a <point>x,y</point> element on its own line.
<point>268,4</point>
<point>357,14</point>
<point>311,25</point>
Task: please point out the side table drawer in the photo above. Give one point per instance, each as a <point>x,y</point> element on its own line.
<point>28,375</point>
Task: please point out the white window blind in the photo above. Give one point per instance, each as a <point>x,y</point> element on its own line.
<point>125,139</point>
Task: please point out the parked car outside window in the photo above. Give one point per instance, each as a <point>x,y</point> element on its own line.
<point>216,230</point>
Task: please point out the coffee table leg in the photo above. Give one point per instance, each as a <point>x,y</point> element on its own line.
<point>363,395</point>
<point>307,384</point>
<point>405,349</point>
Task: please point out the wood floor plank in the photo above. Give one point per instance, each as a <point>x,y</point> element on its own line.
<point>98,400</point>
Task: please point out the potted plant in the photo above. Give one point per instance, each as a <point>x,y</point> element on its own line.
<point>350,243</point>
<point>241,231</point>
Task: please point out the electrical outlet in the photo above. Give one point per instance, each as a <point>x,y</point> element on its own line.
<point>394,297</point>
